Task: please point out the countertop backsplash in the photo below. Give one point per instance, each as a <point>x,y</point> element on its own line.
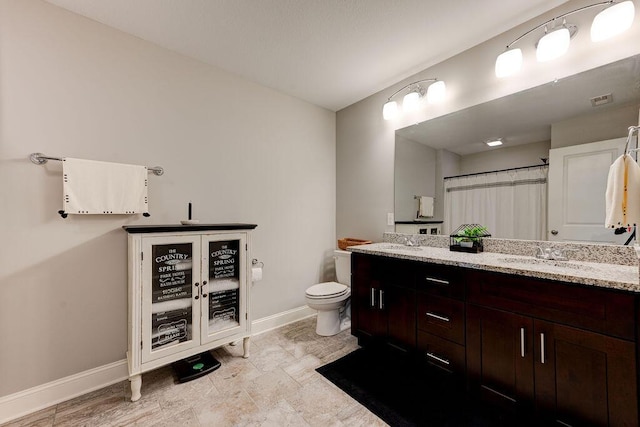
<point>587,252</point>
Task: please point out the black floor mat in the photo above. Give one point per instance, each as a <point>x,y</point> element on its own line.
<point>405,393</point>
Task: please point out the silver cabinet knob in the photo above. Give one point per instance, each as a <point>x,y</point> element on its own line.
<point>554,232</point>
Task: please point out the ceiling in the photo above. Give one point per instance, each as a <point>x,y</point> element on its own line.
<point>331,53</point>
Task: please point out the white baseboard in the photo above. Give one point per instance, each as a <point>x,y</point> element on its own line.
<point>36,398</point>
<point>280,319</point>
<point>43,396</point>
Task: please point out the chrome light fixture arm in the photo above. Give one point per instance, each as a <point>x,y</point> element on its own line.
<point>564,15</point>
<point>435,91</point>
<point>409,85</point>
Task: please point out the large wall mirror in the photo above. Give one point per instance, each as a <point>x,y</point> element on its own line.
<point>571,130</point>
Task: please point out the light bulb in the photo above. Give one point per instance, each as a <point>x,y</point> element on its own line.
<point>411,101</point>
<point>390,110</point>
<point>436,92</point>
<point>612,21</point>
<point>508,63</point>
<point>553,45</point>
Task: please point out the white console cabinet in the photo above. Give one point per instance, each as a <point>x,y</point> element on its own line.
<point>188,293</point>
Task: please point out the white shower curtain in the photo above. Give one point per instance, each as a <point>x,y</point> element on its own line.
<point>512,204</point>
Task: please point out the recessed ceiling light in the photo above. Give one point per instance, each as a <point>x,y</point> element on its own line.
<point>494,142</point>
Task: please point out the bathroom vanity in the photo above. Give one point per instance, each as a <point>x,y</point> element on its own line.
<point>187,293</point>
<point>556,339</point>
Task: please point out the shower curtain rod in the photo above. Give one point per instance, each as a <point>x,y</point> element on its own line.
<point>41,159</point>
<point>500,170</point>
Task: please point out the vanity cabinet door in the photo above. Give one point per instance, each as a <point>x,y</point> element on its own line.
<point>368,319</point>
<point>583,377</point>
<point>500,356</point>
<point>400,306</point>
<point>383,308</point>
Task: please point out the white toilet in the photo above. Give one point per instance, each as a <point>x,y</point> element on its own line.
<point>331,299</point>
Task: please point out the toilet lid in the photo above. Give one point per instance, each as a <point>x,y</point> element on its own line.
<point>327,289</point>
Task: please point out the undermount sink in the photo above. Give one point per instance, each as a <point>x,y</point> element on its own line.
<point>546,262</point>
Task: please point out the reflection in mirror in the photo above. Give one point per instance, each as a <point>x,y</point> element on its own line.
<point>582,111</point>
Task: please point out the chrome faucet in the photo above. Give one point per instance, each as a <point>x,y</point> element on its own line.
<point>557,254</point>
<point>543,253</point>
<point>408,241</point>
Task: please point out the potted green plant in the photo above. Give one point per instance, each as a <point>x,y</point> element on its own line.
<point>468,238</point>
<point>469,235</point>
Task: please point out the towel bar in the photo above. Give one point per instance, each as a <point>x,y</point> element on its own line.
<point>41,159</point>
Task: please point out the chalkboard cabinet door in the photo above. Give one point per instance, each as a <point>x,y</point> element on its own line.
<point>170,295</point>
<point>223,301</point>
<point>193,291</point>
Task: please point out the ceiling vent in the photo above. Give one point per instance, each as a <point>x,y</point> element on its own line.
<point>601,100</point>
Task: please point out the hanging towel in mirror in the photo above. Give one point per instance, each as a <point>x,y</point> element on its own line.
<point>93,187</point>
<point>623,193</point>
<point>426,206</point>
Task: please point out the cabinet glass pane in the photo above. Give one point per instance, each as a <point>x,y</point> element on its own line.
<point>224,285</point>
<point>171,287</point>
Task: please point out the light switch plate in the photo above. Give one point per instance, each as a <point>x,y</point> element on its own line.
<point>390,219</point>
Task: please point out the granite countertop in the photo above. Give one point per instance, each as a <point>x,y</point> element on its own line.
<point>612,276</point>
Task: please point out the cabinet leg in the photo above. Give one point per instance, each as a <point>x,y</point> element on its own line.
<point>245,346</point>
<point>136,385</point>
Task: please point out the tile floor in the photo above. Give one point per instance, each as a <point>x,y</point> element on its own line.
<point>276,386</point>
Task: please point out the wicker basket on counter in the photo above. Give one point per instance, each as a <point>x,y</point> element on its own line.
<point>350,241</point>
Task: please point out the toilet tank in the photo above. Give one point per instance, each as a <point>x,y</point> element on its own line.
<point>343,266</point>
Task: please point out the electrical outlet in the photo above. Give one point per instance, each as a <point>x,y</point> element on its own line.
<point>390,220</point>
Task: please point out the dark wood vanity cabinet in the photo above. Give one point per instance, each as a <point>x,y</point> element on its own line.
<point>565,351</point>
<point>565,354</point>
<point>383,302</point>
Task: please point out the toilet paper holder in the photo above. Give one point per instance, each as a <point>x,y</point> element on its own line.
<point>256,263</point>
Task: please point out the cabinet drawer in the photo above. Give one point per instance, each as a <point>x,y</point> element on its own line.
<point>592,308</point>
<point>440,316</point>
<point>442,353</point>
<point>441,280</point>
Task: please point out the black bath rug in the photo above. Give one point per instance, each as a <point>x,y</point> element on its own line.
<point>403,392</point>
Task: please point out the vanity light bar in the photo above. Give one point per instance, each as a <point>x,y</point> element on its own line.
<point>435,92</point>
<point>615,18</point>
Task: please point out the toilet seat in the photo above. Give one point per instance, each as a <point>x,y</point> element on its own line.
<point>327,290</point>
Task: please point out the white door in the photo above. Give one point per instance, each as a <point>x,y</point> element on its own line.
<point>577,186</point>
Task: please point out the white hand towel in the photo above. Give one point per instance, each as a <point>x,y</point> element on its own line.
<point>623,193</point>
<point>92,187</point>
<point>425,208</point>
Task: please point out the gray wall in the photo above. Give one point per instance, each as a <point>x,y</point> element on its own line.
<point>506,157</point>
<point>414,176</point>
<point>365,141</point>
<point>594,127</point>
<point>239,151</point>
